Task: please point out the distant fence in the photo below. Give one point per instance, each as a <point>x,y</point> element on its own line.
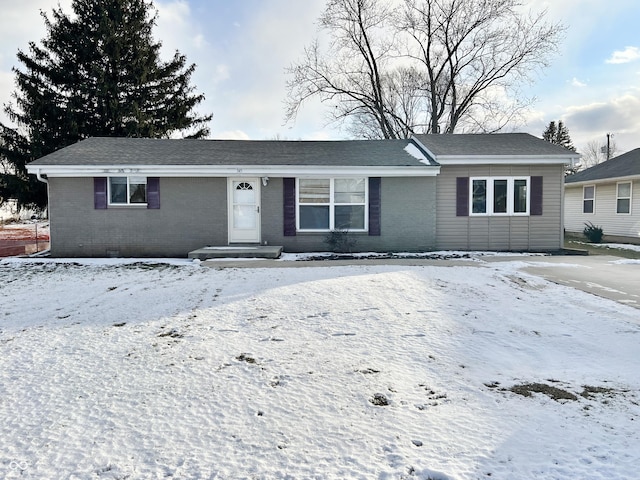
<point>12,248</point>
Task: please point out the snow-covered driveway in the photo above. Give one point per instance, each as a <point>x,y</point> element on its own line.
<point>114,370</point>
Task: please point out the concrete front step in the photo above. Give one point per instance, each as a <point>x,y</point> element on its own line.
<point>236,251</point>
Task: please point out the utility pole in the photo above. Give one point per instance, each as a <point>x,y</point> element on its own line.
<point>607,149</point>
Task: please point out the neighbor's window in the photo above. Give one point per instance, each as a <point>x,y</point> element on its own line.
<point>623,195</point>
<point>499,196</point>
<point>588,199</point>
<point>127,190</point>
<point>332,203</point>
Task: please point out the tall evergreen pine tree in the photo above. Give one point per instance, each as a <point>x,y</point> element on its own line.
<point>97,72</point>
<point>559,135</point>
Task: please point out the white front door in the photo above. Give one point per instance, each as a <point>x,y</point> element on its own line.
<point>244,210</point>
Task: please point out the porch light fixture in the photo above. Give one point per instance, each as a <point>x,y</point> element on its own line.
<point>265,181</point>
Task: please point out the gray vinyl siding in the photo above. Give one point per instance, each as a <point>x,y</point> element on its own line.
<point>192,214</point>
<point>613,224</point>
<point>543,232</point>
<point>407,219</point>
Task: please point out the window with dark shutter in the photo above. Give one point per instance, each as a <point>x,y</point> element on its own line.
<point>289,206</point>
<point>153,192</point>
<point>100,193</point>
<point>462,196</point>
<point>536,196</point>
<point>375,203</point>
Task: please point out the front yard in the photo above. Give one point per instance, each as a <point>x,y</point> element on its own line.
<point>121,370</point>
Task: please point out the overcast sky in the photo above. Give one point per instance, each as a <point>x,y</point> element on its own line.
<point>242,47</point>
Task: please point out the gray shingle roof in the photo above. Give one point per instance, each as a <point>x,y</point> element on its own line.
<point>498,144</point>
<point>144,151</point>
<point>625,165</point>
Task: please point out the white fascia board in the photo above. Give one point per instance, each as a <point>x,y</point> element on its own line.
<point>230,171</point>
<point>507,159</point>
<point>424,148</point>
<point>628,178</point>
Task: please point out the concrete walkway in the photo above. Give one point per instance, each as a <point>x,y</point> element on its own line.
<point>609,277</point>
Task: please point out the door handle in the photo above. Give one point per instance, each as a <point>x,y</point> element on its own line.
<point>258,208</point>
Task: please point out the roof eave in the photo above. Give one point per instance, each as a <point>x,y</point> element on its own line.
<point>603,180</point>
<point>540,159</point>
<point>232,170</point>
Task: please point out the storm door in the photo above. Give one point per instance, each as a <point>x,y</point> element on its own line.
<point>244,210</point>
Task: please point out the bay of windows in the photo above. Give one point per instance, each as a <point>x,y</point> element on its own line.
<point>499,196</point>
<point>332,203</point>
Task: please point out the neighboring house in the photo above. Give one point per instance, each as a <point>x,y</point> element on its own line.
<point>607,195</point>
<point>162,197</point>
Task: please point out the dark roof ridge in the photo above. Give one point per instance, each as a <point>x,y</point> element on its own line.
<point>625,165</point>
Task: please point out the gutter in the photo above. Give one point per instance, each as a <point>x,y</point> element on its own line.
<point>421,170</point>
<point>41,178</point>
<point>596,181</point>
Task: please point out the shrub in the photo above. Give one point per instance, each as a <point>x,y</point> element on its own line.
<point>593,233</point>
<point>339,241</point>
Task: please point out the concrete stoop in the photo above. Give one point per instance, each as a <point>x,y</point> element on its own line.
<point>236,251</point>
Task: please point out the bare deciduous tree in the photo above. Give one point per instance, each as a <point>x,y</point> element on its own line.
<point>595,152</point>
<point>355,73</point>
<point>425,66</point>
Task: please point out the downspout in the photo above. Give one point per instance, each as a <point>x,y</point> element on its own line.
<point>41,178</point>
<point>45,181</point>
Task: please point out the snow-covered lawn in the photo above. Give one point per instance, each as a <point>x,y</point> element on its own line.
<point>620,246</point>
<point>115,370</point>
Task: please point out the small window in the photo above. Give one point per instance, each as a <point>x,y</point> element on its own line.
<point>520,195</point>
<point>499,196</point>
<point>127,190</point>
<point>623,198</point>
<point>479,196</point>
<point>588,199</point>
<point>327,204</point>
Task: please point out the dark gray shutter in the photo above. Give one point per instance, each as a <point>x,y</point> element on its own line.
<point>153,192</point>
<point>462,196</point>
<point>536,196</point>
<point>289,206</point>
<point>375,198</point>
<point>100,193</point>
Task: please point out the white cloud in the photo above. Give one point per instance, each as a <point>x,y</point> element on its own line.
<point>20,23</point>
<point>577,83</point>
<point>231,135</point>
<point>629,54</point>
<point>175,28</point>
<point>616,115</point>
<point>221,73</point>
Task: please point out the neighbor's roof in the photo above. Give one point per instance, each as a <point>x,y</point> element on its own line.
<point>627,165</point>
<point>99,151</point>
<point>444,146</point>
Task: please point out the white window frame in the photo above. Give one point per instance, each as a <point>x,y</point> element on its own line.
<point>332,204</point>
<point>490,197</point>
<point>593,200</point>
<point>630,197</point>
<point>128,202</point>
